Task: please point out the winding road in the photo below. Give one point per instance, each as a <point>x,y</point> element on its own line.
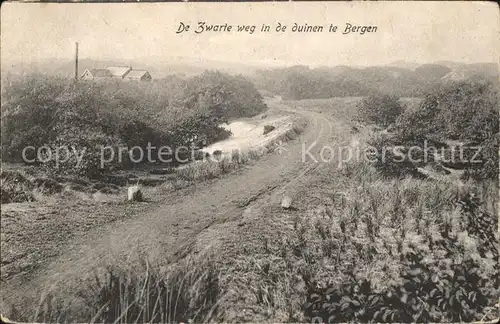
<point>169,232</point>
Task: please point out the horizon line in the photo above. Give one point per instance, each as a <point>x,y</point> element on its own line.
<point>274,63</point>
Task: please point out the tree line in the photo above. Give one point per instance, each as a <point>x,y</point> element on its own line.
<point>302,82</point>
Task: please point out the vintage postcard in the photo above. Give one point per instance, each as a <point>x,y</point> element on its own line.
<point>250,162</point>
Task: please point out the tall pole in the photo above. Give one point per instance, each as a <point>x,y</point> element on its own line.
<point>76,61</point>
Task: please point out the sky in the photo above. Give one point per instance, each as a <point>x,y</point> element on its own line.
<point>412,31</point>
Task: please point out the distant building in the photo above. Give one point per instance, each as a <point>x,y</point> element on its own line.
<point>90,74</point>
<point>119,71</point>
<point>116,72</point>
<point>139,75</point>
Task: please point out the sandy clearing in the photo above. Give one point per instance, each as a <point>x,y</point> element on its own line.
<point>248,133</point>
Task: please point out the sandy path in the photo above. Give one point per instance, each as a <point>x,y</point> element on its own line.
<point>248,134</point>
<point>169,230</point>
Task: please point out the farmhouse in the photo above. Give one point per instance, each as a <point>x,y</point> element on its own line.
<point>139,75</point>
<point>90,74</point>
<point>119,71</point>
<point>116,72</point>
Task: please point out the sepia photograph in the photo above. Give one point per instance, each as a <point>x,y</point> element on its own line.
<point>277,162</point>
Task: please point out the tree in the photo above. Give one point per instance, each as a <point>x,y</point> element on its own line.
<point>465,111</point>
<point>380,109</point>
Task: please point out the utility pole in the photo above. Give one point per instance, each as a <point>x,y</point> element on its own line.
<point>76,61</point>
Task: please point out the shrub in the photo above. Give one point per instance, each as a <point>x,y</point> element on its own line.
<point>379,109</point>
<point>226,96</point>
<point>18,187</point>
<point>268,129</point>
<point>390,160</point>
<point>463,111</point>
<point>38,110</point>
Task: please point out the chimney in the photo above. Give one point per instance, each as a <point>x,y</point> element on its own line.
<point>76,61</point>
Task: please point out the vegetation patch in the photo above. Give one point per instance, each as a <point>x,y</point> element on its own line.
<point>268,129</point>
<point>379,109</point>
<point>302,82</point>
<point>456,125</point>
<point>140,293</point>
<point>18,186</point>
<point>50,122</point>
<point>402,251</point>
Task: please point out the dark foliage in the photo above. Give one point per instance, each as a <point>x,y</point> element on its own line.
<point>431,290</point>
<point>380,109</point>
<point>466,112</point>
<point>301,82</point>
<point>38,110</point>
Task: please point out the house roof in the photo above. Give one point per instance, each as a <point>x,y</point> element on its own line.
<point>99,73</point>
<point>118,71</point>
<point>136,74</point>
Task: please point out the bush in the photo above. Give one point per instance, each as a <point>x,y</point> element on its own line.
<point>387,160</point>
<point>15,187</point>
<point>46,111</point>
<point>224,95</point>
<point>488,169</point>
<point>466,112</point>
<point>379,109</point>
<point>268,129</point>
<point>19,187</point>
